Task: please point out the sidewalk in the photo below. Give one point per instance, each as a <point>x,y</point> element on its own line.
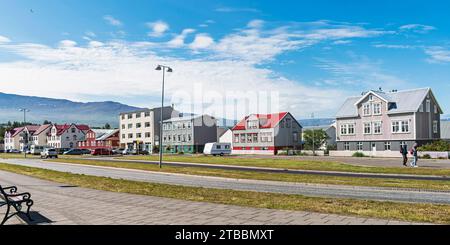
<point>68,205</point>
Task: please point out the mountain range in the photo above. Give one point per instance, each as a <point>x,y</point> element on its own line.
<point>60,110</point>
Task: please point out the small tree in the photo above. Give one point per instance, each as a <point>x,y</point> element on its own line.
<point>107,126</point>
<point>47,122</point>
<point>317,136</point>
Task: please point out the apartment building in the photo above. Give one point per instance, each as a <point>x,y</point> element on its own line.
<point>66,136</point>
<point>189,134</point>
<point>267,134</point>
<point>100,138</point>
<point>378,122</point>
<point>139,130</point>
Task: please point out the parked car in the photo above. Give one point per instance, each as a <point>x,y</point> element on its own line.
<point>86,151</point>
<point>49,153</point>
<point>75,152</point>
<point>139,152</point>
<point>13,151</point>
<point>36,149</point>
<point>118,151</point>
<point>215,149</point>
<point>62,150</point>
<point>127,152</point>
<point>101,152</point>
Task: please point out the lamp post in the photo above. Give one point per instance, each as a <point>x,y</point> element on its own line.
<point>25,135</point>
<point>162,68</point>
<point>313,131</point>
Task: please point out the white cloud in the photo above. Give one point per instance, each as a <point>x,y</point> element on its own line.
<point>4,39</point>
<point>394,46</point>
<point>231,10</point>
<point>340,42</point>
<point>178,41</point>
<point>123,69</point>
<point>255,24</point>
<point>418,28</point>
<point>90,34</point>
<point>201,41</point>
<point>67,43</point>
<point>438,54</point>
<point>158,28</point>
<point>112,21</point>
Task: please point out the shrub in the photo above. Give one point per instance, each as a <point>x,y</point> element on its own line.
<point>180,153</point>
<point>436,146</point>
<point>358,154</point>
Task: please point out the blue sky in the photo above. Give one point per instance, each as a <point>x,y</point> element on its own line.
<point>311,53</point>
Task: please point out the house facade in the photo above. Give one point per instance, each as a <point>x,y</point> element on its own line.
<point>378,122</point>
<point>266,134</point>
<point>66,136</point>
<point>100,138</point>
<point>39,137</point>
<point>19,138</point>
<point>189,134</point>
<point>139,130</point>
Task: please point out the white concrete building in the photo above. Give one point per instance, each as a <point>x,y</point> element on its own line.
<point>66,136</point>
<point>140,129</point>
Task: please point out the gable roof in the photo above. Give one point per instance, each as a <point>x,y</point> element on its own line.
<point>60,129</point>
<point>265,120</point>
<point>406,101</point>
<point>103,134</point>
<point>14,132</point>
<point>42,128</point>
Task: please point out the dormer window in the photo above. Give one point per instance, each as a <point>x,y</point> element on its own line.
<point>252,124</point>
<point>366,109</point>
<point>370,97</point>
<point>377,109</point>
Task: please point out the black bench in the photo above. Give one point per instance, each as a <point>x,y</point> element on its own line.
<point>16,200</point>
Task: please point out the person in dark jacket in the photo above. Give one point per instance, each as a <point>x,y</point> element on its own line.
<point>404,152</point>
<point>415,157</point>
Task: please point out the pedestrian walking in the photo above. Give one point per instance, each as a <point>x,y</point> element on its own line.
<point>404,152</point>
<point>414,154</point>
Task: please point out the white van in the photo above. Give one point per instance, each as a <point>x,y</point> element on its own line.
<point>36,149</point>
<point>215,149</point>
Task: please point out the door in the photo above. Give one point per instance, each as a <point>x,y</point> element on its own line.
<point>374,147</point>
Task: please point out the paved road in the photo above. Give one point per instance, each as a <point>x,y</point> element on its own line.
<point>68,205</point>
<point>279,170</point>
<point>368,193</point>
<point>366,161</point>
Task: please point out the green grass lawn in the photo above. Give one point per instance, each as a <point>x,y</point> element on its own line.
<point>432,213</point>
<point>301,178</point>
<point>294,164</point>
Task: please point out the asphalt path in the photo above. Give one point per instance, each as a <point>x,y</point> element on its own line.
<point>337,191</point>
<point>280,170</point>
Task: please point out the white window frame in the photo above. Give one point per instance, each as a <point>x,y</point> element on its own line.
<point>435,127</point>
<point>401,124</point>
<point>366,108</point>
<point>428,105</point>
<point>364,128</point>
<point>378,105</point>
<point>346,146</point>
<point>387,144</point>
<point>374,124</point>
<point>360,146</point>
<point>435,109</point>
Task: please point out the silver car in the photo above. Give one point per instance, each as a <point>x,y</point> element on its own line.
<point>49,153</point>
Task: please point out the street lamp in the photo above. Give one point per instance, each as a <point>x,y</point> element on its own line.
<point>162,68</point>
<point>25,135</point>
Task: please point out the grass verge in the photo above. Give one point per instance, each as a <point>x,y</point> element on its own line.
<point>300,178</point>
<point>294,164</point>
<point>432,213</point>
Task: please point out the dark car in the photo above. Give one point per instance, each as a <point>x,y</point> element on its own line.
<point>75,152</point>
<point>62,150</point>
<point>101,152</point>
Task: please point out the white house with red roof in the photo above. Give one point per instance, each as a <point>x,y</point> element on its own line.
<point>66,136</point>
<point>266,134</point>
<point>12,139</point>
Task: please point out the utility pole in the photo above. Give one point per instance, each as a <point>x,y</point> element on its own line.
<point>163,68</point>
<point>314,134</point>
<point>25,134</point>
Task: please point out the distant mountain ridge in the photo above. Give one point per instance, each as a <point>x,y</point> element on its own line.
<point>61,110</point>
<point>316,122</point>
